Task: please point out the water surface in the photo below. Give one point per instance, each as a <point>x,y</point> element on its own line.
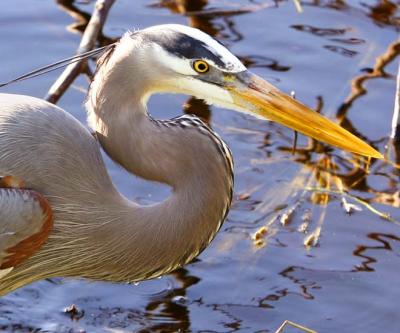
<point>348,281</point>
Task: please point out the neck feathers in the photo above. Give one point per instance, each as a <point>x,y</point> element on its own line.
<point>183,153</point>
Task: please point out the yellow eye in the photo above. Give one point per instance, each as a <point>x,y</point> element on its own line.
<point>200,66</point>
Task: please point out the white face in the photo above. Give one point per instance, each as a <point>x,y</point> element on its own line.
<point>202,46</point>
<point>174,49</point>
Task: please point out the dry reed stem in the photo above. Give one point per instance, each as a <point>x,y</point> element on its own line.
<point>298,6</point>
<point>382,215</point>
<point>290,323</point>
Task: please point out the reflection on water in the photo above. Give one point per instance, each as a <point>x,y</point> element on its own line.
<point>384,12</point>
<point>262,61</point>
<point>81,20</point>
<point>385,242</point>
<point>309,256</point>
<point>322,32</point>
<point>378,71</point>
<point>341,50</point>
<point>172,306</point>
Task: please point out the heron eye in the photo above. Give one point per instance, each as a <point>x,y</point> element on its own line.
<point>200,66</point>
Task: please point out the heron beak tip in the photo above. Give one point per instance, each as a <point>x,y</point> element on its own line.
<point>266,101</point>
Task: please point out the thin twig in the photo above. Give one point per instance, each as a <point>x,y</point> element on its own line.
<point>87,43</point>
<point>293,95</point>
<point>382,215</point>
<point>290,323</point>
<point>396,120</point>
<point>298,6</point>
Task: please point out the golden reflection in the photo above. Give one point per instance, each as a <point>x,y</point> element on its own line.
<point>333,176</point>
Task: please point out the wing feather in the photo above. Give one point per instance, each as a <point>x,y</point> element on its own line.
<point>26,220</point>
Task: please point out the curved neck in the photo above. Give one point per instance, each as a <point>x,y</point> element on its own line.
<point>170,233</point>
<point>99,234</point>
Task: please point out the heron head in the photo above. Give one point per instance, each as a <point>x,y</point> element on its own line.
<point>185,60</point>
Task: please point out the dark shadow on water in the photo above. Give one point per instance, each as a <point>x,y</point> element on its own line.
<point>81,20</point>
<point>364,251</point>
<point>172,307</point>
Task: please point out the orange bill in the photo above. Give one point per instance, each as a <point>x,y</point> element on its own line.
<point>261,98</point>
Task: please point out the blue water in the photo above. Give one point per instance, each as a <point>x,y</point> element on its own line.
<point>348,282</point>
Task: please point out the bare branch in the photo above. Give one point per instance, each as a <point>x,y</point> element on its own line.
<point>87,43</point>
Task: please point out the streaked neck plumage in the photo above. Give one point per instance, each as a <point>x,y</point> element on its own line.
<point>99,234</point>
<point>183,153</point>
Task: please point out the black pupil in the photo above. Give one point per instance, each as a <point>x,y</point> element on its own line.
<point>201,67</point>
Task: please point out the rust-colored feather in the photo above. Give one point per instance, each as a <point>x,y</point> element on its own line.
<point>25,248</point>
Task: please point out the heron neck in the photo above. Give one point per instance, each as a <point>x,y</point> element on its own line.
<point>130,137</point>
<point>170,233</point>
<point>101,235</point>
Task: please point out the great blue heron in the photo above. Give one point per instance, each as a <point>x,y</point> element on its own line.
<point>97,233</point>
